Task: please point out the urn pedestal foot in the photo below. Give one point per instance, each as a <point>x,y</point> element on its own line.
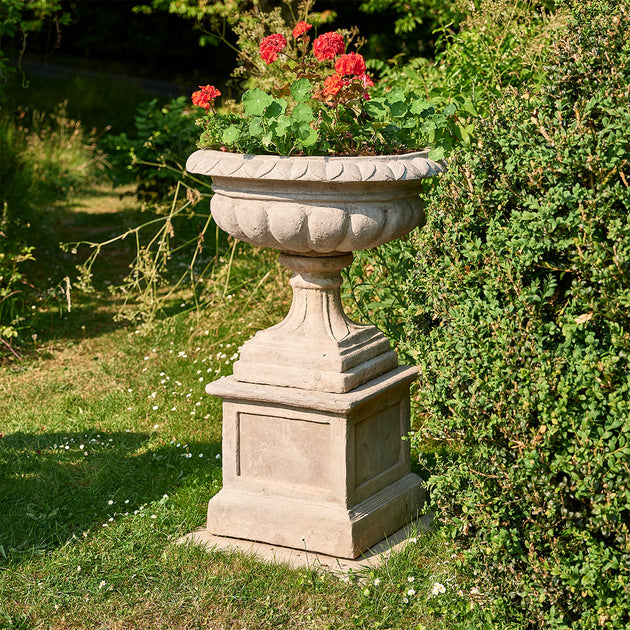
<point>316,347</point>
<point>317,471</point>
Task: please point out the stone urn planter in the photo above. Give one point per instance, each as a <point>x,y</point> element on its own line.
<point>316,409</point>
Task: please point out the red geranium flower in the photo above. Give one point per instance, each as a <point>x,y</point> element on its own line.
<point>328,46</point>
<point>300,28</point>
<point>351,64</point>
<point>271,46</point>
<point>205,96</point>
<point>333,84</point>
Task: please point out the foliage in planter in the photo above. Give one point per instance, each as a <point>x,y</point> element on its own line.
<point>521,299</point>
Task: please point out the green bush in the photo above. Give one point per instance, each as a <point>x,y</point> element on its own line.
<point>520,299</point>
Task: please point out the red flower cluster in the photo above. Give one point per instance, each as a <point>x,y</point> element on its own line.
<point>328,46</point>
<point>205,96</point>
<point>271,46</point>
<point>351,64</point>
<point>300,28</point>
<point>333,84</point>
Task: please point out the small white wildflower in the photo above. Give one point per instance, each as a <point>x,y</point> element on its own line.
<point>438,588</point>
<point>377,582</point>
<point>405,600</point>
<point>78,568</point>
<point>474,591</point>
<point>411,592</point>
<point>153,516</point>
<point>410,578</point>
<point>102,583</point>
<point>218,456</point>
<point>110,502</point>
<point>165,496</point>
<point>200,454</point>
<point>156,426</point>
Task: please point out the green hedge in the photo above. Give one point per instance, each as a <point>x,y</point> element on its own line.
<point>520,299</point>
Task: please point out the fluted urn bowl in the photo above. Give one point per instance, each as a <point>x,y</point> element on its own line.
<point>315,205</point>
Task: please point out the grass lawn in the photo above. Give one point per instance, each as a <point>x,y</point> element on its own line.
<point>110,451</point>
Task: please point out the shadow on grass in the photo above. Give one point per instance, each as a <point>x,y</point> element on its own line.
<point>56,485</point>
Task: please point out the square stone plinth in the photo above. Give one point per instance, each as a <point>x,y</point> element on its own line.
<point>323,472</point>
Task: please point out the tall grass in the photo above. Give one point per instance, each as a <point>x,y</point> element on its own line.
<point>45,158</point>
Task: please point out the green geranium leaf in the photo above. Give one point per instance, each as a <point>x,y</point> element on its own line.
<point>422,107</point>
<point>399,109</point>
<point>301,129</point>
<point>255,101</point>
<point>231,135</point>
<point>301,90</point>
<point>376,109</point>
<point>281,126</point>
<point>276,108</point>
<point>311,139</point>
<point>255,127</point>
<point>436,154</point>
<point>395,94</point>
<point>450,109</point>
<point>302,112</point>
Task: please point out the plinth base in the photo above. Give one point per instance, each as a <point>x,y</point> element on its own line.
<point>296,558</point>
<point>317,471</point>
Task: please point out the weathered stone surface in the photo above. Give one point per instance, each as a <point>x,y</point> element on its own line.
<point>325,472</point>
<point>316,346</point>
<point>316,411</point>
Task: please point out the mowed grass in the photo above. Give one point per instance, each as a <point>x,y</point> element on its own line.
<point>110,451</point>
